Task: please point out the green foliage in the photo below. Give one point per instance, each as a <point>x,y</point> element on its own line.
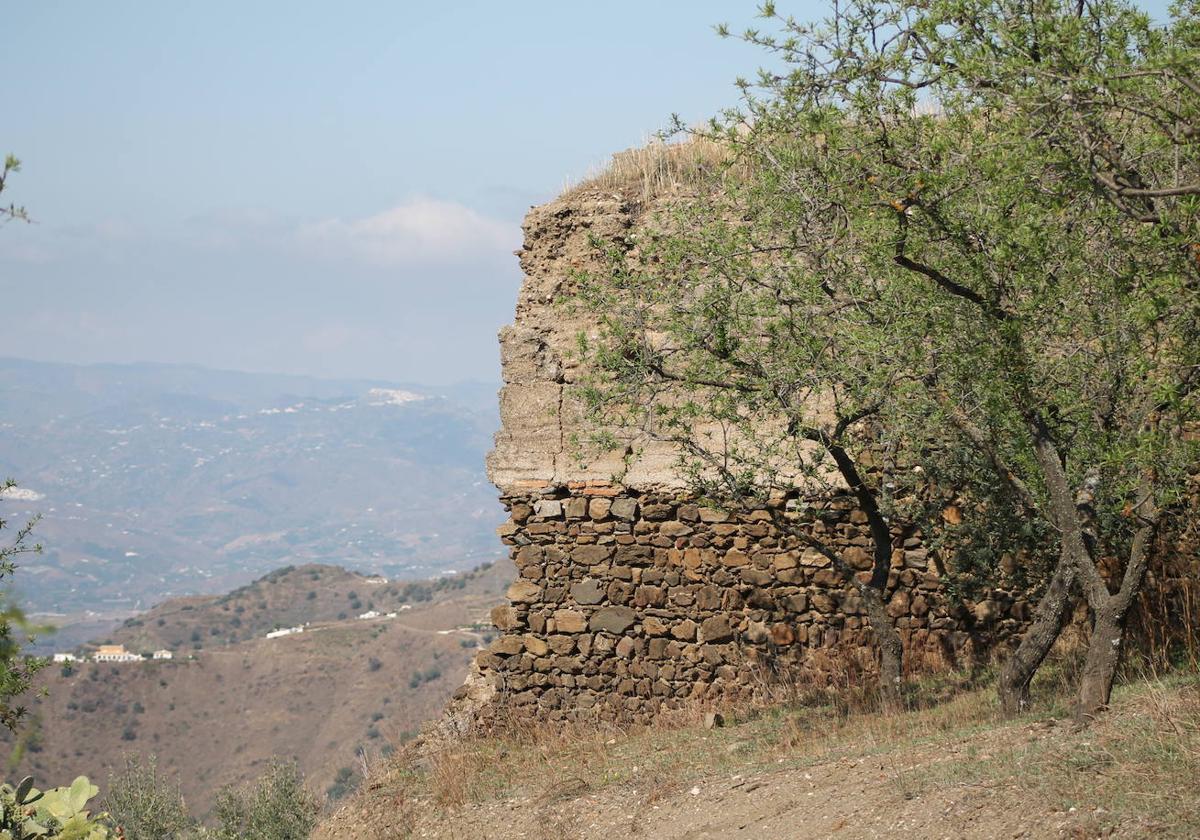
<point>145,804</point>
<point>57,814</point>
<point>344,783</point>
<point>276,807</point>
<point>12,212</point>
<point>948,225</point>
<point>429,674</point>
<point>16,669</point>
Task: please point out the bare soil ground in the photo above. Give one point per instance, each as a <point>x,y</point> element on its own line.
<point>950,771</point>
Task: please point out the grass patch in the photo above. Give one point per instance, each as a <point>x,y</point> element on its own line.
<point>656,168</point>
<point>1138,766</point>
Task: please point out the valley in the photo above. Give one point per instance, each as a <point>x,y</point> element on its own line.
<point>343,693</point>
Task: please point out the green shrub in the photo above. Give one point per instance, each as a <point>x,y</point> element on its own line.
<point>145,804</point>
<point>344,783</point>
<point>276,807</point>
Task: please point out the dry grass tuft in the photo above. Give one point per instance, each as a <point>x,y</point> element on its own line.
<point>656,168</point>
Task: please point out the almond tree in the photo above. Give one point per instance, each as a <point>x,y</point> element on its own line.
<point>1031,172</point>
<point>954,221</point>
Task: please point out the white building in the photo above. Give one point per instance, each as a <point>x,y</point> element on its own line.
<point>370,614</point>
<point>65,657</point>
<point>285,631</point>
<point>163,654</point>
<point>115,653</point>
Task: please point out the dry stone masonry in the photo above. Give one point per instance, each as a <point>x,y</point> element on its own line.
<point>629,602</point>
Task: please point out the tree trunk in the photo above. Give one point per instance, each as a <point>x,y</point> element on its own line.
<point>1039,637</point>
<point>1100,667</point>
<point>1108,627</point>
<point>891,651</point>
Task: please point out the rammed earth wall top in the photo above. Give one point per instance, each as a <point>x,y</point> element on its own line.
<point>540,368</point>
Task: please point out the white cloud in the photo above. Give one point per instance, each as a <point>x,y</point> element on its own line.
<point>421,230</point>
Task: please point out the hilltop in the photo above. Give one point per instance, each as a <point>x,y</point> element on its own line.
<point>344,692</point>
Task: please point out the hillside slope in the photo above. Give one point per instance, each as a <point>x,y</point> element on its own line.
<point>216,714</point>
<point>953,770</point>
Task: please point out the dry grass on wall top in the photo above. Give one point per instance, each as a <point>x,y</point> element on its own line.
<point>656,168</point>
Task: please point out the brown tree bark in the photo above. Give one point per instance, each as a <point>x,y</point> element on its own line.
<point>874,591</point>
<point>1048,620</point>
<point>891,649</point>
<point>1109,610</point>
<point>1108,626</point>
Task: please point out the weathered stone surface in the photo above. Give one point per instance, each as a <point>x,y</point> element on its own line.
<point>590,555</point>
<point>589,591</point>
<point>507,645</point>
<point>536,646</point>
<point>652,626</point>
<point>715,629</point>
<point>624,508</point>
<point>613,619</point>
<point>674,529</point>
<point>598,508</point>
<point>680,602</point>
<point>505,617</point>
<point>548,508</point>
<point>684,630</point>
<point>569,621</point>
<point>524,592</point>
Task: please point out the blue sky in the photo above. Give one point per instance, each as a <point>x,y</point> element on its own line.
<point>323,188</point>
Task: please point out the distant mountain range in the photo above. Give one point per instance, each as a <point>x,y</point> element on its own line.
<point>160,480</point>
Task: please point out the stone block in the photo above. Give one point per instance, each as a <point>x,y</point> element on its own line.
<point>590,555</point>
<point>619,592</point>
<point>649,596</point>
<point>684,630</point>
<point>715,629</point>
<point>624,508</point>
<point>599,507</point>
<point>656,512</point>
<point>588,591</point>
<point>570,621</point>
<point>652,626</point>
<point>507,645</point>
<point>674,529</point>
<point>524,592</point>
<point>536,646</point>
<point>548,509</point>
<point>735,558</point>
<point>613,619</point>
<point>504,617</point>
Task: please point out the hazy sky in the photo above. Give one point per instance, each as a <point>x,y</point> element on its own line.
<point>322,188</point>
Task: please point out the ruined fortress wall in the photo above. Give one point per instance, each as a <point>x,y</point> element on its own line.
<point>632,597</point>
<point>629,602</point>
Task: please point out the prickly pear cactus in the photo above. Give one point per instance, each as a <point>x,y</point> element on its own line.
<point>27,813</point>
